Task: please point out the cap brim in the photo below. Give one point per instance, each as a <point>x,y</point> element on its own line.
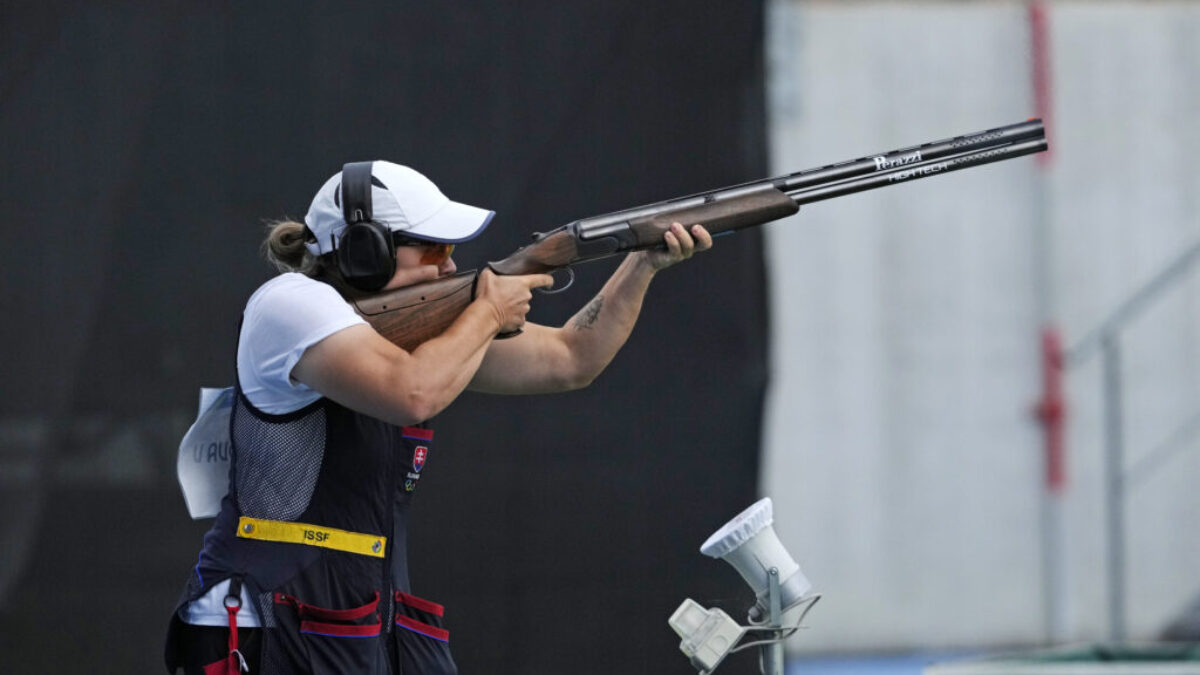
<point>452,224</point>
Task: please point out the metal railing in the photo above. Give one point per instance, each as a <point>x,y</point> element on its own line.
<point>1105,340</point>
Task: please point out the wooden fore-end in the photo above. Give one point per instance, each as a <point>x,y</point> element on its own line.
<point>411,315</point>
<point>552,252</point>
<point>734,213</point>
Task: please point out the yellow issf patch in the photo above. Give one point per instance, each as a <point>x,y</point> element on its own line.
<point>311,535</point>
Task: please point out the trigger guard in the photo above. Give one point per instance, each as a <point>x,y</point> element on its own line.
<point>570,280</point>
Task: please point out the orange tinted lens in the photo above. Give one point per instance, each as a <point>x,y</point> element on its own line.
<point>436,254</point>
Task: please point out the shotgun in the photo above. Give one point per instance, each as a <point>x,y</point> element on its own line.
<point>411,315</point>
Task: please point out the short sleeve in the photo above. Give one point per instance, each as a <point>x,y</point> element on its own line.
<point>283,318</point>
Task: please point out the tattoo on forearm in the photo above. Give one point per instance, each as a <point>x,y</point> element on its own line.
<point>588,316</point>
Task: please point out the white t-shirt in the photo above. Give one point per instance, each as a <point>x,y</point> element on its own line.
<point>284,317</point>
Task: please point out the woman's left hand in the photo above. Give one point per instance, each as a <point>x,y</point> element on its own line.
<point>681,243</point>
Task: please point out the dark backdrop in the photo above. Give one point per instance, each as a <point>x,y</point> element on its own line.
<point>144,144</point>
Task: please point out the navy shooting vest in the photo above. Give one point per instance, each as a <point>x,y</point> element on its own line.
<point>314,525</point>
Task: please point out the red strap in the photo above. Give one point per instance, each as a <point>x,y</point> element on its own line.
<point>232,665</point>
<point>423,628</point>
<point>235,664</point>
<point>418,433</point>
<point>340,630</point>
<point>323,614</point>
<point>420,603</point>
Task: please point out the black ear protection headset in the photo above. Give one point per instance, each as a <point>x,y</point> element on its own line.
<point>366,254</point>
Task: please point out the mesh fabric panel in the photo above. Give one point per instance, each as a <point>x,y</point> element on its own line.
<point>277,462</point>
<point>266,610</point>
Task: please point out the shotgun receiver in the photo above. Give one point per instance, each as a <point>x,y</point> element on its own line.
<point>411,315</point>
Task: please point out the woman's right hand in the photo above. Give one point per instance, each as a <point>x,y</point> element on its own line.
<point>509,296</point>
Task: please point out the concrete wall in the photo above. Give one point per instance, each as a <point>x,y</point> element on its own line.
<point>900,448</point>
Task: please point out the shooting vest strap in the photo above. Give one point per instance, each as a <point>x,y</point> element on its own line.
<point>311,535</point>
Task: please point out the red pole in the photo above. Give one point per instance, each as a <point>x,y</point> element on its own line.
<point>1040,44</point>
<point>1052,410</point>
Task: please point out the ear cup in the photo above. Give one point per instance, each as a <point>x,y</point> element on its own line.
<point>366,256</point>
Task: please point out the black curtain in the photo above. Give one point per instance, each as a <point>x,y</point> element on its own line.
<point>144,146</point>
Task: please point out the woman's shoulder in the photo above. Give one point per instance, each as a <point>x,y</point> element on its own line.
<point>292,284</point>
<point>291,291</point>
<point>283,317</point>
<point>296,302</point>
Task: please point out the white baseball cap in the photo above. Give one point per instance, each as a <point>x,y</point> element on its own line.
<point>402,199</point>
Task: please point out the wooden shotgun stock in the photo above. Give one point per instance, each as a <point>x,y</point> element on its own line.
<point>411,315</point>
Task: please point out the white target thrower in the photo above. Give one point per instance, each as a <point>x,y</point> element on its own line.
<point>750,545</point>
